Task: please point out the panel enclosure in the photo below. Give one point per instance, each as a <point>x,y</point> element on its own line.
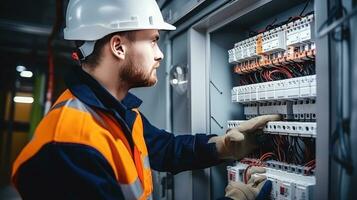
<point>221,30</point>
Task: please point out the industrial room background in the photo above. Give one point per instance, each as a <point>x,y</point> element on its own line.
<point>228,61</point>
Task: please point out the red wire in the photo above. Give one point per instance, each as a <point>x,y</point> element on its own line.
<point>245,174</point>
<point>266,155</point>
<point>55,29</point>
<point>288,69</point>
<point>267,77</point>
<point>311,168</point>
<point>284,71</point>
<point>50,75</point>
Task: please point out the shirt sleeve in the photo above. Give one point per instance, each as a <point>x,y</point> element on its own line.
<point>67,171</point>
<point>174,154</point>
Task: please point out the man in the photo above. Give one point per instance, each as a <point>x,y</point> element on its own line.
<point>94,143</point>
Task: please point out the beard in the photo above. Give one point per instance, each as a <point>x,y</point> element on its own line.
<point>135,75</point>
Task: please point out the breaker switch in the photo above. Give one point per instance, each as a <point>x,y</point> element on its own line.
<point>282,190</point>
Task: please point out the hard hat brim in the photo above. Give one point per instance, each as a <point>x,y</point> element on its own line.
<point>167,26</point>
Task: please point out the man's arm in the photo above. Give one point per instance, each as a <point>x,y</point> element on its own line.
<point>67,171</point>
<point>171,153</point>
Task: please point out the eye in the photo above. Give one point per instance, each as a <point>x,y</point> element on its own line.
<point>154,42</point>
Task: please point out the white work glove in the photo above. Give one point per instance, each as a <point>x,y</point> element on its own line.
<point>256,188</point>
<point>239,142</point>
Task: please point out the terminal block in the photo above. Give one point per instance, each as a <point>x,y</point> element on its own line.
<point>244,50</point>
<point>251,110</point>
<point>283,108</point>
<point>304,110</point>
<point>297,169</point>
<point>300,31</point>
<point>299,129</point>
<point>274,40</point>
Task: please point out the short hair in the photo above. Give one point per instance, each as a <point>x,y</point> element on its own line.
<point>94,58</point>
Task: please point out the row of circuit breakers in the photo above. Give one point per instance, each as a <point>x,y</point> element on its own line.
<point>276,40</point>
<point>288,181</point>
<point>293,98</point>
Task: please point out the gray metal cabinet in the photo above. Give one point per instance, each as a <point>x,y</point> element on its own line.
<point>211,78</point>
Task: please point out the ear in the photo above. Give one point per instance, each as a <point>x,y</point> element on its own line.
<point>117,47</point>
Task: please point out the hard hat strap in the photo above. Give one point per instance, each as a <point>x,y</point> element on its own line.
<point>86,49</point>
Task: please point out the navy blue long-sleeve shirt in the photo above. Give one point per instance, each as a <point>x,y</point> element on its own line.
<point>74,171</point>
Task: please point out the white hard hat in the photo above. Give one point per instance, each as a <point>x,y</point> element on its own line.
<point>90,20</point>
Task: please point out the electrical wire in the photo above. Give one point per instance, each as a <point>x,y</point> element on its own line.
<point>245,174</point>
<point>326,28</point>
<point>298,145</point>
<point>340,137</point>
<point>298,150</point>
<point>303,10</point>
<point>310,163</point>
<point>271,25</point>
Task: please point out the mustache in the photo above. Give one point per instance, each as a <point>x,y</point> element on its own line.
<point>156,65</point>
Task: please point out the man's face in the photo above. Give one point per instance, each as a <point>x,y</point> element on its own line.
<point>142,59</point>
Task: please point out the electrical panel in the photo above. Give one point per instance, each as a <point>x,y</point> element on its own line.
<point>276,72</point>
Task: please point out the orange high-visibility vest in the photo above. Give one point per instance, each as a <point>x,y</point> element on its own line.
<point>72,121</point>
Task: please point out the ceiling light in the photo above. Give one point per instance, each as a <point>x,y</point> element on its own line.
<point>26,74</point>
<point>20,68</point>
<point>22,99</point>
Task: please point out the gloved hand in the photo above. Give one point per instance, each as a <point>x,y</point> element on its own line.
<point>257,187</point>
<point>238,142</point>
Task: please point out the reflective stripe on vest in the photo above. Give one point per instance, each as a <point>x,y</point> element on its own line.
<point>146,162</point>
<point>107,138</point>
<point>132,191</point>
<point>75,103</point>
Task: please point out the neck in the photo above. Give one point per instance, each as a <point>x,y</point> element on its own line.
<point>108,77</point>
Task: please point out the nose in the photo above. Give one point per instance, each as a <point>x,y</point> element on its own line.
<point>158,54</point>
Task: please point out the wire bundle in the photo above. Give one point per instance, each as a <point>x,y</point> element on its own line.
<point>275,73</point>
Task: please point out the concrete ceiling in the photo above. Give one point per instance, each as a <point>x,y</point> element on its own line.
<point>25,27</point>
